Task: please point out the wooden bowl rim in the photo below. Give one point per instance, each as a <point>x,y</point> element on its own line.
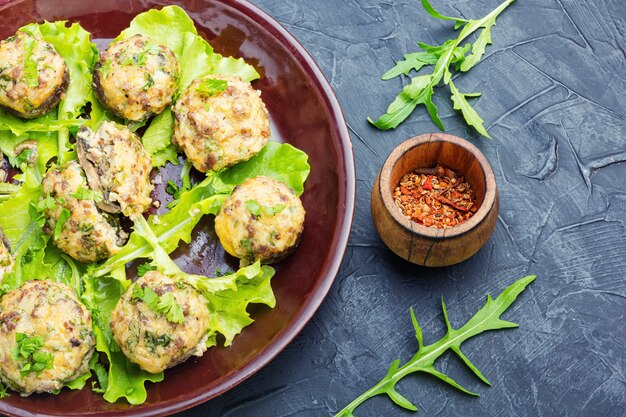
<point>433,232</point>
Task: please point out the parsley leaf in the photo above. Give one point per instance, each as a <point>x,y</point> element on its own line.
<point>63,218</point>
<point>85,193</point>
<point>28,352</point>
<point>211,86</point>
<point>253,207</point>
<point>104,68</point>
<point>164,304</point>
<point>170,307</point>
<point>144,268</point>
<point>30,65</point>
<point>149,81</point>
<point>273,210</point>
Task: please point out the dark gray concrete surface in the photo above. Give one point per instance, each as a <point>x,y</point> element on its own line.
<point>553,85</point>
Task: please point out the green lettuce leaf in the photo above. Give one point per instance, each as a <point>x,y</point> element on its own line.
<point>34,257</point>
<point>228,296</point>
<point>282,162</point>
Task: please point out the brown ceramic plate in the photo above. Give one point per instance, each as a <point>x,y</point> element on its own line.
<point>304,113</point>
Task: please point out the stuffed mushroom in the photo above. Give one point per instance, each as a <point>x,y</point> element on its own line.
<point>46,337</point>
<point>160,322</point>
<point>220,120</point>
<point>73,220</point>
<point>6,260</point>
<point>33,76</point>
<point>136,77</point>
<point>117,166</point>
<point>261,220</point>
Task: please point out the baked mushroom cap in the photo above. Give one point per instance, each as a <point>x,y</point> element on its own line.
<point>154,338</point>
<point>262,220</point>
<point>85,233</point>
<point>46,337</point>
<point>136,77</point>
<point>220,124</point>
<point>33,76</point>
<point>116,165</point>
<point>6,260</point>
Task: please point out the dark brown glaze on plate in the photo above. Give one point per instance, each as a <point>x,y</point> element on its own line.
<point>305,113</point>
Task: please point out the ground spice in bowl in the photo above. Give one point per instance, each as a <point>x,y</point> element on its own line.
<point>435,197</point>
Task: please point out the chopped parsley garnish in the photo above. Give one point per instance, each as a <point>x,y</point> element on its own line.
<point>170,307</point>
<point>143,269</point>
<point>211,86</point>
<point>253,207</point>
<point>3,391</point>
<point>174,190</point>
<point>273,210</point>
<point>63,218</point>
<point>219,273</point>
<point>28,351</point>
<point>149,81</point>
<point>164,304</point>
<point>104,68</point>
<point>152,340</point>
<point>85,193</point>
<point>22,159</point>
<point>30,65</point>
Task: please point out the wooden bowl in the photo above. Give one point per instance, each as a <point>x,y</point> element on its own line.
<point>430,246</point>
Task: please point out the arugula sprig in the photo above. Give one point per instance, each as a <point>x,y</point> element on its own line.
<point>487,318</point>
<point>450,53</point>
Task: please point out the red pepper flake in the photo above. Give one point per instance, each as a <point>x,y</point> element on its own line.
<point>435,197</point>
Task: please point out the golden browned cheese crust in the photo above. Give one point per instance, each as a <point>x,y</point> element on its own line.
<point>136,77</point>
<point>121,167</point>
<point>261,220</point>
<point>219,129</point>
<point>49,311</point>
<point>147,337</point>
<point>87,235</point>
<point>33,76</point>
<point>6,260</point>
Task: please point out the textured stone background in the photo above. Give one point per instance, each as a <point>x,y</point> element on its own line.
<point>553,87</point>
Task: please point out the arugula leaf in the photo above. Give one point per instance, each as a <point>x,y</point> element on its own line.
<point>414,61</point>
<point>460,103</point>
<point>434,13</point>
<point>487,318</point>
<point>421,88</point>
